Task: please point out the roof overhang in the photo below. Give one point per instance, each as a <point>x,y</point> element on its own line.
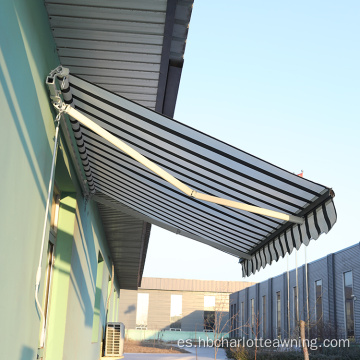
<point>132,48</point>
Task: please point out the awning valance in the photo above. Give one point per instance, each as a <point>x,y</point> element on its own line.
<point>204,164</point>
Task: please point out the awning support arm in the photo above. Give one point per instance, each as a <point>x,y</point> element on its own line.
<point>165,175</point>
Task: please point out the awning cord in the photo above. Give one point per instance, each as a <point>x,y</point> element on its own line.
<point>49,197</point>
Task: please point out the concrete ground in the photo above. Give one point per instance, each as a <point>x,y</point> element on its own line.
<point>203,353</point>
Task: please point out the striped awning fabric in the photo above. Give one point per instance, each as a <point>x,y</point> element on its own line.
<point>203,163</point>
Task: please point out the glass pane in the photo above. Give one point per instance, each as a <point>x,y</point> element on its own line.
<point>209,320</point>
<point>142,310</point>
<point>264,316</point>
<point>278,314</point>
<point>253,329</point>
<point>295,306</point>
<point>349,304</point>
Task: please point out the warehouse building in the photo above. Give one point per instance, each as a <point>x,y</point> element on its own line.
<point>161,306</point>
<point>272,309</point>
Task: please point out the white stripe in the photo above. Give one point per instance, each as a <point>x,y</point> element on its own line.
<point>330,208</point>
<point>313,232</point>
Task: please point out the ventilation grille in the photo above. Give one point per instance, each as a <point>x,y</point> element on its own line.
<point>114,344</point>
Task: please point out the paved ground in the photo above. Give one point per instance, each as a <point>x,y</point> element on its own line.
<point>202,354</point>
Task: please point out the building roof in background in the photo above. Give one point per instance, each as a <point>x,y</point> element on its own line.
<point>194,285</point>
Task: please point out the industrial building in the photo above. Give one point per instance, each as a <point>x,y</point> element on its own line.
<point>325,296</point>
<point>161,306</point>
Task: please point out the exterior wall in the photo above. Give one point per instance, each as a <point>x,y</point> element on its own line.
<point>127,308</point>
<point>88,240</point>
<point>27,55</point>
<point>318,271</point>
<point>160,304</point>
<point>301,292</point>
<point>27,135</point>
<point>330,270</point>
<point>347,260</point>
<point>193,317</point>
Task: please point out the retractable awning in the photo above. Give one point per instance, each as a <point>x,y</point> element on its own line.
<point>202,164</point>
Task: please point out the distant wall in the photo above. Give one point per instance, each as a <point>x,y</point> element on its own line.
<point>160,304</point>
<point>166,335</point>
<point>330,270</point>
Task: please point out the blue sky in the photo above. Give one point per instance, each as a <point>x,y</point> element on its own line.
<point>280,80</point>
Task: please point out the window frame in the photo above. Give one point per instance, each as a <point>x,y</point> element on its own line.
<point>278,315</point>
<point>345,302</point>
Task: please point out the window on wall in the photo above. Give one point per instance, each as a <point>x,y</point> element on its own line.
<point>209,312</point>
<point>242,316</point>
<point>318,308</point>
<point>253,320</point>
<point>176,312</point>
<point>233,320</point>
<point>278,315</point>
<point>235,317</point>
<point>349,304</point>
<point>142,310</point>
<point>295,307</point>
<point>97,302</point>
<point>232,325</point>
<point>264,316</point>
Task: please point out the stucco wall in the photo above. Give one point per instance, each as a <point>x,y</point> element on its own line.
<point>27,54</point>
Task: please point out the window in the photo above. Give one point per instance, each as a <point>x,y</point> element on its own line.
<point>209,320</point>
<point>176,312</point>
<point>278,315</point>
<point>209,312</point>
<point>96,315</point>
<point>235,320</point>
<point>232,325</point>
<point>318,307</point>
<point>242,317</point>
<point>295,307</point>
<point>264,316</point>
<point>253,323</point>
<point>142,310</point>
<point>349,304</point>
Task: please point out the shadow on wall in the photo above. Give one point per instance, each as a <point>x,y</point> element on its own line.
<point>24,88</point>
<point>130,309</point>
<point>27,353</point>
<point>83,276</point>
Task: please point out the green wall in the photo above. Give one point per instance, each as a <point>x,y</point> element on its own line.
<point>61,278</point>
<point>27,53</point>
